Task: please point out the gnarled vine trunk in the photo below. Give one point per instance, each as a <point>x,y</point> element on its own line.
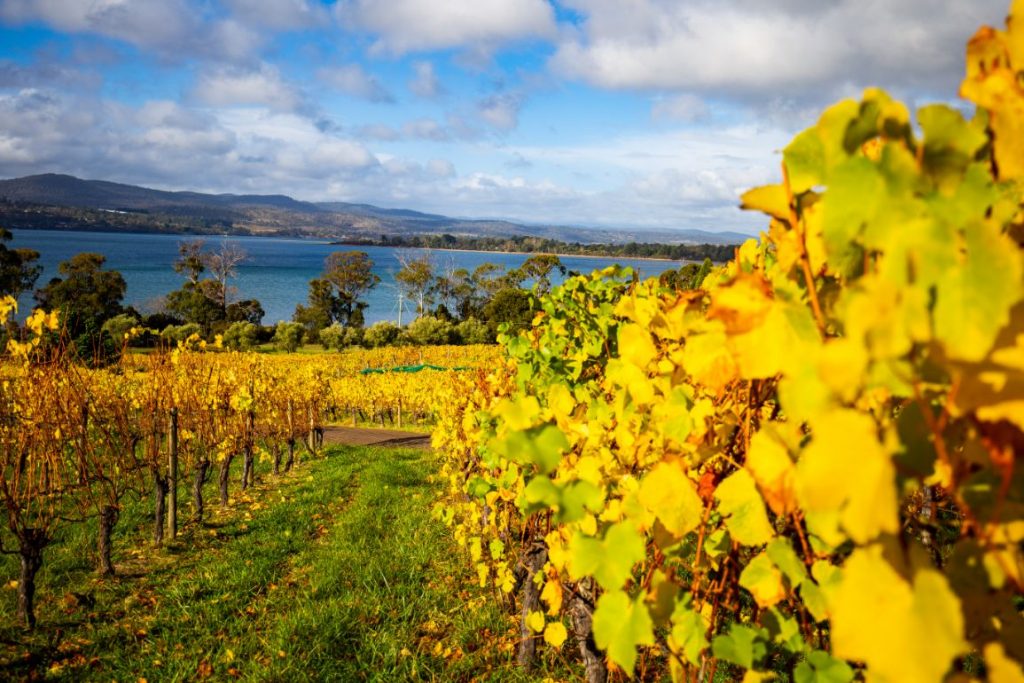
<point>160,489</point>
<point>31,545</point>
<point>581,614</point>
<point>109,514</point>
<point>198,479</point>
<point>225,470</point>
<point>535,558</point>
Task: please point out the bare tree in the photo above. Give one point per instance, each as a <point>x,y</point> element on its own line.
<point>223,265</point>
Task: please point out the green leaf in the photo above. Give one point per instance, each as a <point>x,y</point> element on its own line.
<point>576,498</point>
<point>620,625</point>
<point>804,161</point>
<point>821,667</point>
<point>688,636</point>
<point>742,646</point>
<point>781,552</point>
<point>742,506</point>
<point>609,561</point>
<point>763,580</point>
<point>975,298</point>
<point>542,446</point>
<point>854,191</point>
<point>784,630</point>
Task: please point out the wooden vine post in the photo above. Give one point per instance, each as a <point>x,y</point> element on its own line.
<point>172,475</point>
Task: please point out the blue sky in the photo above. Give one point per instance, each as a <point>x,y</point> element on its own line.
<point>613,113</point>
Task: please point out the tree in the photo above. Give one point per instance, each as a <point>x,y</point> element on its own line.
<point>351,274</point>
<point>288,336</point>
<point>18,270</point>
<point>223,265</point>
<point>192,305</point>
<point>247,311</point>
<point>87,296</point>
<point>322,308</point>
<point>416,279</point>
<point>510,305</point>
<point>190,260</point>
<point>538,268</point>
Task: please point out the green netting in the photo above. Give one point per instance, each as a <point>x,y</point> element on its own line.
<point>410,368</point>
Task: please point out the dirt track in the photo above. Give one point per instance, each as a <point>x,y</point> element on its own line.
<point>356,436</point>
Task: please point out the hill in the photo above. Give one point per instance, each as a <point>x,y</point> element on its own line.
<point>56,201</point>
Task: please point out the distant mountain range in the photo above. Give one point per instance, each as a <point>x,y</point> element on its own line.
<point>54,201</point>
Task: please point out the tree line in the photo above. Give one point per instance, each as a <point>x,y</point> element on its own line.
<point>437,304</point>
<point>717,253</point>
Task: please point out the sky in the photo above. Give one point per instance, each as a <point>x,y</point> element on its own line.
<point>606,113</point>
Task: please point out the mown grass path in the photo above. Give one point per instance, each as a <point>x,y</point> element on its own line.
<point>334,572</point>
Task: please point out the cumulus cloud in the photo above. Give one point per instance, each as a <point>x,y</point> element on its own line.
<point>281,15</point>
<point>750,48</point>
<point>685,107</point>
<point>165,144</point>
<point>424,82</point>
<point>403,26</point>
<point>174,29</point>
<point>352,79</point>
<point>501,111</point>
<point>232,86</point>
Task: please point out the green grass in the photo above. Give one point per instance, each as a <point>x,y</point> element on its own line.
<point>335,572</point>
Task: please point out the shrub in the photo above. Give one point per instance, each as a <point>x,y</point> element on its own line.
<point>427,330</point>
<point>332,337</point>
<point>381,333</point>
<point>241,336</point>
<point>288,336</point>
<point>472,331</point>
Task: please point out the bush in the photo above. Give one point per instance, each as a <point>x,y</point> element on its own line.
<point>172,334</point>
<point>241,336</point>
<point>428,330</point>
<point>288,336</point>
<point>332,337</point>
<point>382,333</point>
<point>353,336</point>
<point>118,327</point>
<point>472,331</point>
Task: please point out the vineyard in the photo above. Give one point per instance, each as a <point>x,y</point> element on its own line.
<point>807,468</point>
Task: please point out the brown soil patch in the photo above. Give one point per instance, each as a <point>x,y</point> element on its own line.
<point>357,436</point>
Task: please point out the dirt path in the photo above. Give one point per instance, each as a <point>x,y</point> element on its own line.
<point>357,436</point>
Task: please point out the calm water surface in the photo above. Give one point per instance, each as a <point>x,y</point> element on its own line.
<point>277,271</point>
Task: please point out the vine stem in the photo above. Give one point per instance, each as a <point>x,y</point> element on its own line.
<point>805,261</point>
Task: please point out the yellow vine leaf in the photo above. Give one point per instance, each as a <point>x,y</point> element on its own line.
<point>764,581</point>
<point>535,620</point>
<point>555,634</point>
<point>668,494</point>
<point>769,199</point>
<point>993,57</point>
<point>743,509</point>
<point>846,470</point>
<point>635,345</point>
<point>1001,669</point>
<point>904,633</point>
<point>773,471</point>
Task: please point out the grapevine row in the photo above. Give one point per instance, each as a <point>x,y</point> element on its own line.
<point>810,466</point>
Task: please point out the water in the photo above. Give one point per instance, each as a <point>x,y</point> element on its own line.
<point>276,273</point>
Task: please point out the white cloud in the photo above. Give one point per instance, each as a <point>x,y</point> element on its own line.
<point>352,79</point>
<point>425,83</point>
<point>685,107</point>
<point>175,29</point>
<point>403,26</point>
<point>232,86</point>
<point>501,111</point>
<point>746,47</point>
<point>282,15</point>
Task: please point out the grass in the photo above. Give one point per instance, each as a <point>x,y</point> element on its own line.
<point>333,572</point>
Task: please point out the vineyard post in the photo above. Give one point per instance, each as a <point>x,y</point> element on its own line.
<point>172,474</point>
<point>399,412</point>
